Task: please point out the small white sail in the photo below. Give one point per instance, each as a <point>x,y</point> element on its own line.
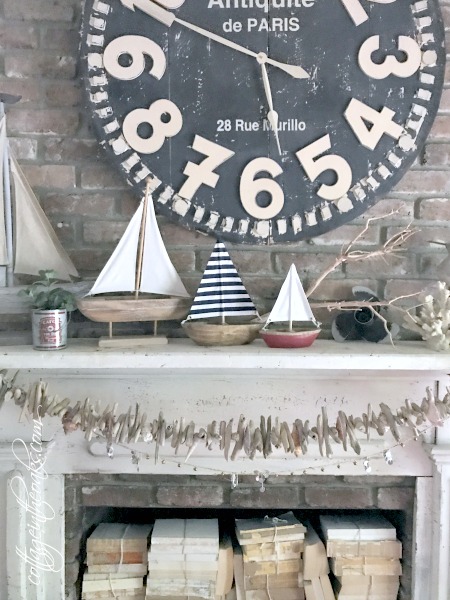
<point>158,273</point>
<point>3,142</point>
<point>36,245</point>
<point>291,304</point>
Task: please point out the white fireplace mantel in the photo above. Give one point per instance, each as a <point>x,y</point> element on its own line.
<point>221,383</point>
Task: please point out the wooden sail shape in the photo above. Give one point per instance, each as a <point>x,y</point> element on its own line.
<point>291,307</point>
<point>221,294</point>
<point>36,246</point>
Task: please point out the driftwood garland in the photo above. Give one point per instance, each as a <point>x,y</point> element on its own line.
<point>234,439</point>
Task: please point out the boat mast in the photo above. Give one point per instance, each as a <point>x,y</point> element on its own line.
<point>141,242</point>
<point>8,99</point>
<point>291,296</point>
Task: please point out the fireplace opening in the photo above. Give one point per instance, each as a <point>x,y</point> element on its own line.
<point>95,499</point>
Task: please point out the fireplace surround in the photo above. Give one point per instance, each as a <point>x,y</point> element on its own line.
<point>220,383</point>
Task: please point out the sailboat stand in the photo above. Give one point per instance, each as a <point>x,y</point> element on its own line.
<point>28,242</point>
<point>141,270</point>
<point>296,326</point>
<point>221,294</point>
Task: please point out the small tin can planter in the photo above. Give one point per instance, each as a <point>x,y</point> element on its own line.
<point>49,329</point>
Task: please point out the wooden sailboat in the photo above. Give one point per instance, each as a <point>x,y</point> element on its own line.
<point>221,294</point>
<point>28,243</point>
<point>297,326</point>
<point>141,269</point>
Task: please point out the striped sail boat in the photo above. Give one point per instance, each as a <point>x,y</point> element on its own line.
<point>221,294</point>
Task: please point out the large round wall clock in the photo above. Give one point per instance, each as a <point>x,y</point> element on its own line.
<point>263,121</point>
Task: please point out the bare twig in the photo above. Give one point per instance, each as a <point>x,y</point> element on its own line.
<point>348,254</point>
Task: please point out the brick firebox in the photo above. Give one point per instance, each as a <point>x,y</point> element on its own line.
<point>91,499</point>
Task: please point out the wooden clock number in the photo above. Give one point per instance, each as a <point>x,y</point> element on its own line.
<point>166,119</point>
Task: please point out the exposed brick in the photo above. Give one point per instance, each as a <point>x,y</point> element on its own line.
<point>18,36</point>
<point>71,149</point>
<point>276,496</point>
<point>403,210</point>
<point>424,182</point>
<point>29,89</point>
<point>100,232</point>
<point>390,266</point>
<point>48,122</point>
<point>175,235</point>
<point>345,234</point>
<point>39,10</point>
<point>73,520</point>
<point>129,496</point>
<point>396,498</point>
<point>435,209</point>
<point>40,65</point>
<point>80,205</point>
<point>63,93</point>
<point>50,176</point>
<point>100,177</point>
<point>245,261</point>
<point>340,289</point>
<point>307,263</point>
<point>61,39</point>
<point>183,260</point>
<point>441,128</point>
<point>190,496</point>
<point>436,155</point>
<point>71,572</point>
<point>331,497</point>
<point>23,148</point>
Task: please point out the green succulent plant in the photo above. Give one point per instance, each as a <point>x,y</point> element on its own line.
<point>43,295</point>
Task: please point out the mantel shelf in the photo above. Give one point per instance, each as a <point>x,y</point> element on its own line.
<point>178,354</point>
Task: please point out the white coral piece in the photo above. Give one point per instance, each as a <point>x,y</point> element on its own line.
<point>433,320</point>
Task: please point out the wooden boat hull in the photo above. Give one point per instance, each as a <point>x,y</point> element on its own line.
<point>125,309</point>
<point>216,334</point>
<point>289,339</point>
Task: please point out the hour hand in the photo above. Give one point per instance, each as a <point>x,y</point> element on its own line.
<point>272,115</point>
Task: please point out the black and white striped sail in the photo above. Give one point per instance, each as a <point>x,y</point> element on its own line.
<point>221,292</point>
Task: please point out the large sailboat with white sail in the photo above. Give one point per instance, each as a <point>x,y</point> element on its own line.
<point>139,281</point>
<point>28,243</point>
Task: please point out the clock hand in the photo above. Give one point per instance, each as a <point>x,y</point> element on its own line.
<point>167,18</point>
<point>272,115</point>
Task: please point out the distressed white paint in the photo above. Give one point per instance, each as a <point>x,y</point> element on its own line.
<point>204,383</point>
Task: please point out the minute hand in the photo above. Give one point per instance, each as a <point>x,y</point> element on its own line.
<point>167,18</point>
<point>293,70</point>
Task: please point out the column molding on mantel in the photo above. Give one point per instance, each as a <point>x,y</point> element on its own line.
<point>440,559</point>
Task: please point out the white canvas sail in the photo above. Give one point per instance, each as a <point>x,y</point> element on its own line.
<point>158,273</point>
<point>36,246</point>
<point>291,304</point>
<point>3,142</point>
<point>221,292</point>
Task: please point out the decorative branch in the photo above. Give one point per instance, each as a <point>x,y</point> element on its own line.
<point>349,254</point>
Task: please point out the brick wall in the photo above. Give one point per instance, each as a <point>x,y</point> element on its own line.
<point>169,497</point>
<point>90,206</point>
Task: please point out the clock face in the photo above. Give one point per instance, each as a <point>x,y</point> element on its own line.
<point>263,120</point>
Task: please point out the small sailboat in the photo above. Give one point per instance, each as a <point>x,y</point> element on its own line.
<point>141,269</point>
<point>28,243</point>
<point>291,307</point>
<point>221,294</point>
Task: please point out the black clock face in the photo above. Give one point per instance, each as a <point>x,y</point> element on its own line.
<point>295,120</point>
